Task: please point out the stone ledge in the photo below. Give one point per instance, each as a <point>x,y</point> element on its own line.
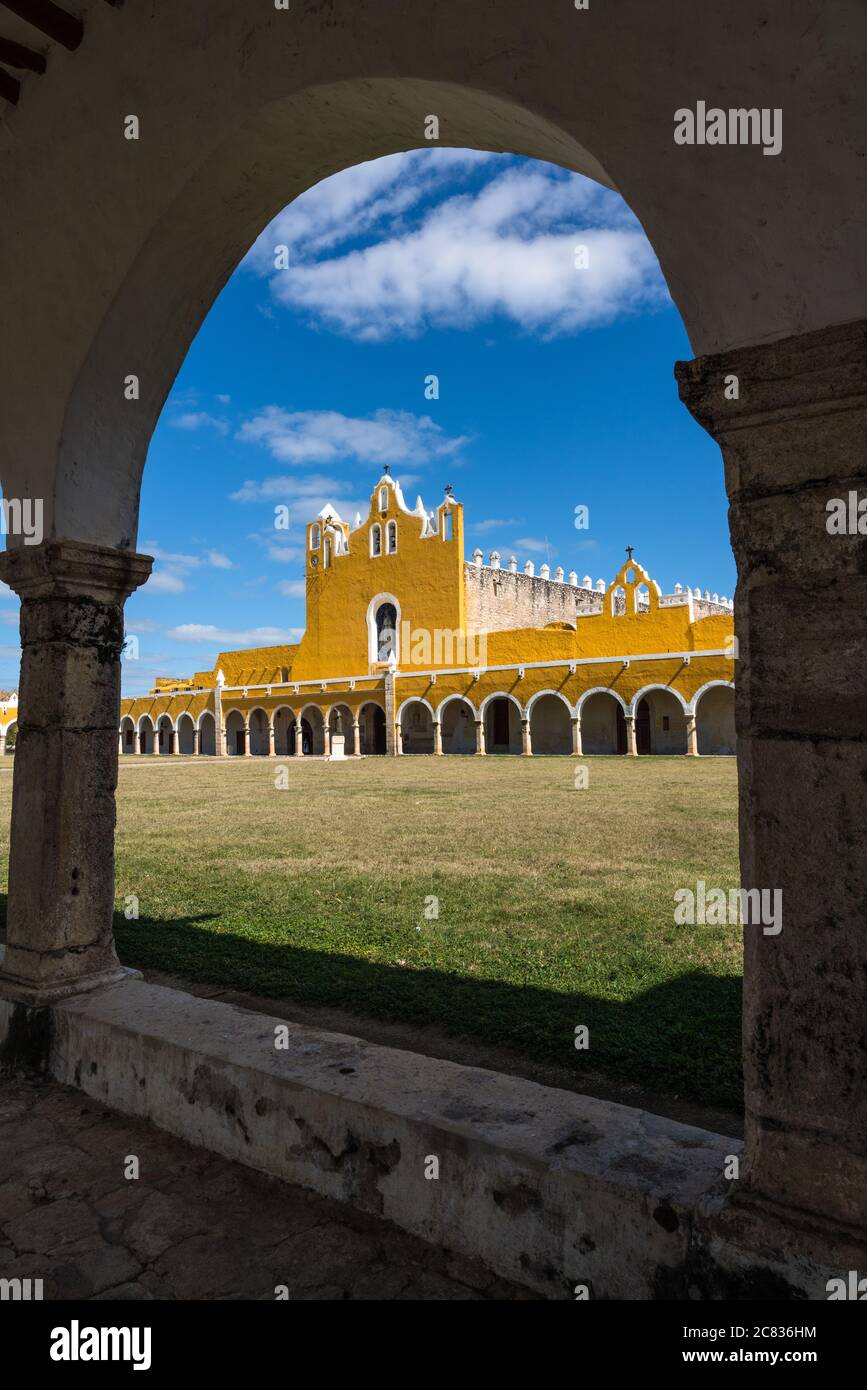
<point>546,1188</point>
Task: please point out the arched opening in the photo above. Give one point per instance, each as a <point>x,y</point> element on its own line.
<point>603,726</point>
<point>284,732</point>
<point>550,725</point>
<point>165,735</point>
<point>236,737</point>
<point>312,731</point>
<point>386,631</point>
<point>11,737</point>
<point>340,721</point>
<point>715,722</point>
<point>416,728</point>
<point>458,727</point>
<point>259,737</point>
<point>127,735</point>
<point>186,735</point>
<point>371,722</point>
<point>502,725</point>
<point>208,735</point>
<point>660,723</point>
<point>146,735</point>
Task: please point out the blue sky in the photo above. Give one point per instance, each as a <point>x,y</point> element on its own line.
<point>555,380</point>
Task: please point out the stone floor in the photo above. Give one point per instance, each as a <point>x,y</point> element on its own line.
<point>192,1225</point>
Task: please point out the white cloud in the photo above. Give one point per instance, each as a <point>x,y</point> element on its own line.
<point>532,543</point>
<point>224,400</point>
<point>491,524</point>
<point>292,588</point>
<point>200,419</point>
<point>323,436</point>
<point>506,248</point>
<point>164,582</point>
<point>219,560</point>
<point>250,637</point>
<point>284,488</point>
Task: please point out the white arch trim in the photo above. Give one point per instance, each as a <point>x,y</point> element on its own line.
<point>600,690</point>
<point>500,695</point>
<point>646,690</point>
<point>4,728</point>
<point>415,700</point>
<point>308,706</point>
<point>693,704</point>
<point>141,720</point>
<point>371,704</point>
<point>374,604</point>
<point>558,695</point>
<point>450,699</point>
<point>338,704</point>
<point>185,714</point>
<point>205,714</point>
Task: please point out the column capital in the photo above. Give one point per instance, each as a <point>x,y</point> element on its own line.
<point>808,374</point>
<point>71,569</point>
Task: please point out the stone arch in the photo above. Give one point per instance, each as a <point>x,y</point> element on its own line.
<point>457,717</point>
<point>186,734</point>
<point>165,735</point>
<point>11,736</point>
<point>257,723</point>
<point>146,734</point>
<point>602,712</point>
<point>207,734</point>
<point>372,730</point>
<point>127,734</point>
<point>312,730</point>
<point>502,715</point>
<point>550,716</point>
<point>660,720</point>
<point>347,723</point>
<point>415,720</point>
<point>236,735</point>
<point>714,707</point>
<point>284,731</point>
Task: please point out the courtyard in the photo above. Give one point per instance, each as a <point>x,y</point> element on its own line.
<point>487,902</point>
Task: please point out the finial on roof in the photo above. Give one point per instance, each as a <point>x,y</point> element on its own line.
<point>450,492</point>
<point>630,551</point>
<point>386,468</point>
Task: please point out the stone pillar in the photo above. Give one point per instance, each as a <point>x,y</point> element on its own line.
<point>398,738</point>
<point>631,745</point>
<point>438,738</point>
<point>119,743</point>
<point>197,741</point>
<point>299,740</point>
<point>356,737</point>
<point>175,737</point>
<point>2,745</point>
<point>792,443</point>
<point>326,740</point>
<point>691,736</point>
<point>577,747</point>
<point>480,736</point>
<point>220,737</point>
<point>61,856</point>
<point>526,742</point>
<point>219,726</point>
<point>272,750</point>
<point>138,741</point>
<point>392,739</point>
<point>248,742</point>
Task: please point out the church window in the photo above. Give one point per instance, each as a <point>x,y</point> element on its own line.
<point>391,537</point>
<point>447,526</point>
<point>376,539</point>
<point>386,631</point>
<point>383,499</point>
<point>327,552</point>
<point>314,537</point>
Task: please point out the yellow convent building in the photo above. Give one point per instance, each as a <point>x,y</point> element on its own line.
<point>409,648</point>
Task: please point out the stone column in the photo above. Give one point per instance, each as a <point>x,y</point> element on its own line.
<point>691,736</point>
<point>356,738</point>
<point>631,745</point>
<point>220,737</point>
<point>119,743</point>
<point>577,747</point>
<point>3,745</point>
<point>299,740</point>
<point>61,857</point>
<point>793,442</point>
<point>438,738</point>
<point>175,737</point>
<point>138,741</point>
<point>398,737</point>
<point>526,741</point>
<point>392,738</point>
<point>248,742</point>
<point>197,742</point>
<point>326,740</point>
<point>272,748</point>
<point>480,736</point>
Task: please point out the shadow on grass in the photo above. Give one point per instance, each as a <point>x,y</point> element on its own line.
<point>681,1036</point>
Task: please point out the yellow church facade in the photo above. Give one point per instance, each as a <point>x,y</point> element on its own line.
<point>411,649</point>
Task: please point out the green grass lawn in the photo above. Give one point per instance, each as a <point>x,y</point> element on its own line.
<point>555,904</point>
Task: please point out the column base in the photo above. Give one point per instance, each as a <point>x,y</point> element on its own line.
<point>18,991</point>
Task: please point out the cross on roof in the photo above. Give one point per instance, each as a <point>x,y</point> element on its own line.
<point>630,551</point>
